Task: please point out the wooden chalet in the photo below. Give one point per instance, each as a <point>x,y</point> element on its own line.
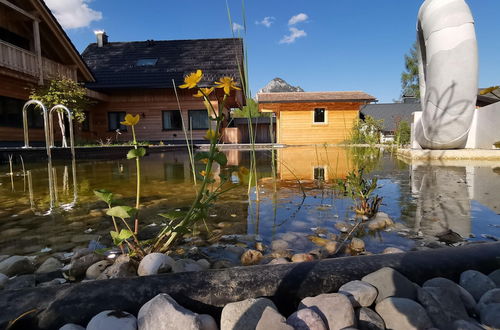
<point>304,118</point>
<point>33,49</point>
<point>139,77</point>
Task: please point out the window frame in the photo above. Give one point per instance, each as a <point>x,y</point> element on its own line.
<point>189,119</point>
<point>325,117</point>
<point>121,127</point>
<point>163,120</point>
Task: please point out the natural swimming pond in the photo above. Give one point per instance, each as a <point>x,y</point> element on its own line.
<point>297,210</point>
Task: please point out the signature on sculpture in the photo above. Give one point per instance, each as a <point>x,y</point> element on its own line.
<point>448,70</point>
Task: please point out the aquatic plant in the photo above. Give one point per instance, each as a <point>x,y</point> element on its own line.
<point>361,190</point>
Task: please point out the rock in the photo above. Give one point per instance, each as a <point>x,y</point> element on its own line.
<point>334,308</point>
<point>186,265</point>
<point>251,257</point>
<point>319,253</point>
<point>260,247</point>
<point>124,266</point>
<point>490,316</point>
<point>331,247</point>
<point>164,313</point>
<point>465,296</point>
<point>306,319</point>
<point>403,313</point>
<point>271,319</point>
<point>203,263</point>
<point>390,283</point>
<point>466,325</point>
<point>476,283</point>
<point>279,245</point>
<point>368,319</point>
<point>80,253</point>
<point>155,263</point>
<point>94,271</point>
<point>223,263</point>
<point>361,294</point>
<point>319,241</point>
<point>278,261</point>
<point>380,221</point>
<point>391,250</point>
<point>108,320</point>
<point>443,305</point>
<point>78,267</point>
<point>490,297</point>
<point>21,282</point>
<point>357,245</point>
<point>71,326</point>
<point>495,277</point>
<point>301,257</point>
<point>16,265</point>
<point>449,237</point>
<point>56,281</point>
<point>3,257</point>
<point>343,227</point>
<point>244,315</point>
<point>3,279</point>
<point>49,265</point>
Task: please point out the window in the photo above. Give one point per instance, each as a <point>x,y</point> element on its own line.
<point>172,120</point>
<point>114,119</point>
<point>319,115</point>
<point>146,62</point>
<point>198,119</point>
<point>11,114</point>
<point>319,173</point>
<point>86,122</point>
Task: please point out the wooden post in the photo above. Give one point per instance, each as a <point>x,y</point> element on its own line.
<point>38,49</point>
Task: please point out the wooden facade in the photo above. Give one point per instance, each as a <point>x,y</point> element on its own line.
<point>296,123</point>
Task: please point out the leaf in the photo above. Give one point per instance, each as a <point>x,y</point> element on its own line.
<point>173,215</point>
<point>221,158</point>
<point>201,155</point>
<point>119,238</point>
<point>136,153</point>
<point>104,195</point>
<point>121,212</point>
<point>125,234</point>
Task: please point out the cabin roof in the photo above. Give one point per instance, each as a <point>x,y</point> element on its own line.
<point>290,97</point>
<point>391,113</point>
<point>115,65</point>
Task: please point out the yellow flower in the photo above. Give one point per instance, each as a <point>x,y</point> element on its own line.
<point>192,79</point>
<point>203,173</point>
<point>210,135</point>
<point>488,90</point>
<point>130,120</point>
<point>204,160</point>
<point>205,91</point>
<point>243,170</point>
<point>227,83</point>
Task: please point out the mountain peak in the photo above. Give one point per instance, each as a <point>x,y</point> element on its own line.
<point>278,85</point>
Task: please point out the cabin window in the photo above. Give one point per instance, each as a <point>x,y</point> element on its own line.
<point>86,122</point>
<point>319,173</point>
<point>114,119</point>
<point>146,62</point>
<point>172,120</point>
<point>11,114</point>
<point>14,39</point>
<point>198,119</point>
<point>319,115</point>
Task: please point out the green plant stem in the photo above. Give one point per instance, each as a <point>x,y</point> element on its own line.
<point>138,192</point>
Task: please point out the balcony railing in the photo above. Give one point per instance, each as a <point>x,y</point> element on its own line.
<point>24,61</point>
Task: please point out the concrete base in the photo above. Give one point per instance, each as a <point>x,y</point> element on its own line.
<point>453,154</point>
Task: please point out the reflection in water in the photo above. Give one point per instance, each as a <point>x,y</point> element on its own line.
<point>426,198</point>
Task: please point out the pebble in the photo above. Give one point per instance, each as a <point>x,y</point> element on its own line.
<point>443,306</point>
<point>403,313</point>
<point>71,326</point>
<point>357,245</point>
<point>368,319</point>
<point>49,265</point>
<point>279,245</point>
<point>251,257</point>
<point>163,312</point>
<point>466,325</point>
<point>490,316</point>
<point>306,319</point>
<point>334,308</point>
<point>476,283</point>
<point>244,315</point>
<point>390,283</point>
<point>3,279</point>
<point>361,294</point>
<point>301,257</point>
<point>186,265</point>
<point>466,298</point>
<point>495,277</point>
<point>279,261</point>
<point>155,263</point>
<point>271,319</point>
<point>16,265</point>
<point>490,297</point>
<point>108,320</point>
<point>391,250</point>
<point>94,271</point>
<point>124,266</point>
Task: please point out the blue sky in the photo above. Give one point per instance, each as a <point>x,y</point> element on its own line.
<point>340,44</point>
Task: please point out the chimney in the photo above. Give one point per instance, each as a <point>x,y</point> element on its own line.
<point>102,38</point>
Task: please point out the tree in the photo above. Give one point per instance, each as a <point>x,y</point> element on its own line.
<point>66,92</point>
<point>252,108</point>
<point>403,132</point>
<point>409,78</point>
<point>367,131</point>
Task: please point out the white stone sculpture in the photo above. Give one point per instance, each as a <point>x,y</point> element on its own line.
<point>448,69</point>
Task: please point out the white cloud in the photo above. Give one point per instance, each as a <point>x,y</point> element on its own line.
<point>294,34</point>
<point>73,14</point>
<point>298,19</point>
<point>237,27</point>
<point>267,21</point>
